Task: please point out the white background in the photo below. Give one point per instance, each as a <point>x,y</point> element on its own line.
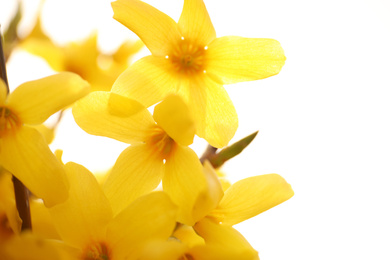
<point>323,121</point>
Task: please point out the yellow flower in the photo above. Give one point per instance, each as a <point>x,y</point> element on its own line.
<point>189,60</point>
<point>83,58</point>
<point>211,241</point>
<point>140,168</point>
<point>23,150</point>
<point>214,238</point>
<point>85,221</point>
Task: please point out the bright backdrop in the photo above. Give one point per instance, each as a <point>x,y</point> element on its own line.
<point>323,121</point>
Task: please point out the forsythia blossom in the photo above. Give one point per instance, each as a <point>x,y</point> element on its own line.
<point>189,60</point>
<point>126,215</point>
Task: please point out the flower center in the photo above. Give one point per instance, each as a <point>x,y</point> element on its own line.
<point>161,142</point>
<point>9,122</point>
<point>97,251</point>
<point>186,257</point>
<point>188,58</point>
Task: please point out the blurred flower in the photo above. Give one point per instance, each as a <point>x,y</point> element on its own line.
<point>189,60</point>
<point>83,58</point>
<point>23,150</point>
<point>86,224</point>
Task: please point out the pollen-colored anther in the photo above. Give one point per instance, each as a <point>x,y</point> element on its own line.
<point>97,251</point>
<point>188,58</point>
<point>9,121</point>
<point>161,142</point>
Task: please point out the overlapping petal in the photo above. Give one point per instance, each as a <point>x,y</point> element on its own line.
<point>86,213</point>
<point>250,197</point>
<point>35,101</point>
<point>235,59</point>
<point>148,81</point>
<point>215,116</point>
<point>195,23</point>
<point>111,115</point>
<point>149,218</point>
<point>173,115</point>
<point>184,182</point>
<point>27,156</point>
<point>156,29</point>
<point>138,170</point>
<point>223,241</point>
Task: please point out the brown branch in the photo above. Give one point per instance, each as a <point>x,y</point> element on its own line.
<point>21,192</point>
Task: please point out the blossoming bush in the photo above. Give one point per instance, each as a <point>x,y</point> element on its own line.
<point>68,214</point>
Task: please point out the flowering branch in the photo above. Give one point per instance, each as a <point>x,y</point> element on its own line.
<point>21,192</point>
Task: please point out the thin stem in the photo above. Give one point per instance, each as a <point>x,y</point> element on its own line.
<point>208,154</point>
<point>21,192</point>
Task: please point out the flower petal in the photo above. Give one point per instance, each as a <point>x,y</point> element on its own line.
<point>26,155</point>
<point>215,116</point>
<point>138,170</point>
<point>235,59</point>
<point>156,29</point>
<point>86,213</point>
<point>35,101</point>
<point>195,23</point>
<point>46,49</point>
<point>149,80</point>
<point>174,117</point>
<point>29,246</point>
<point>250,197</point>
<point>149,218</point>
<point>42,221</point>
<point>111,115</point>
<point>184,182</point>
<point>229,240</point>
<point>3,92</point>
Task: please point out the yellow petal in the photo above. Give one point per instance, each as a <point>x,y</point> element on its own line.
<point>235,59</point>
<point>138,170</point>
<point>215,252</point>
<point>195,23</point>
<point>86,213</point>
<point>148,81</point>
<point>229,240</point>
<point>174,117</point>
<point>27,156</point>
<point>188,236</point>
<point>10,222</point>
<point>213,111</point>
<point>214,189</point>
<point>156,29</point>
<point>46,132</point>
<point>29,246</point>
<point>150,217</point>
<point>184,182</point>
<point>42,221</point>
<point>163,250</point>
<point>107,114</point>
<point>3,92</point>
<point>35,101</point>
<point>46,49</point>
<point>252,196</point>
